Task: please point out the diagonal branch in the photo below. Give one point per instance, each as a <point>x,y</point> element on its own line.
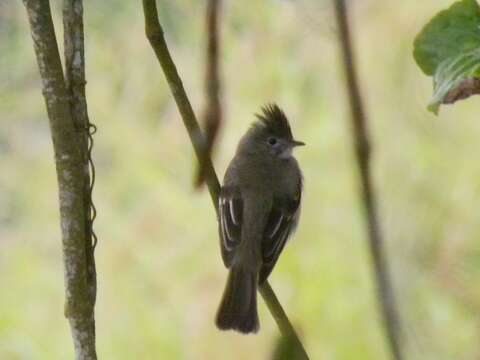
<point>154,34</point>
<point>68,159</point>
<point>362,153</point>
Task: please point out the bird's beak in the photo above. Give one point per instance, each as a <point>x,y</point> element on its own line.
<point>297,143</point>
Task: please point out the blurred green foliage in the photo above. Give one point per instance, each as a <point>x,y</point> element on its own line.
<point>159,268</point>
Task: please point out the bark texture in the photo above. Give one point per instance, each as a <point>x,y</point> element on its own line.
<point>70,176</point>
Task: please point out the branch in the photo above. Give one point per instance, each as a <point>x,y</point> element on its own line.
<point>213,110</point>
<point>154,34</point>
<point>362,154</point>
<point>75,84</point>
<point>68,159</point>
<point>283,323</point>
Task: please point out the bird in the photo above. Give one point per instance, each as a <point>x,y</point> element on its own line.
<point>259,208</point>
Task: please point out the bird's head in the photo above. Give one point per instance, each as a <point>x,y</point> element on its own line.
<point>270,135</point>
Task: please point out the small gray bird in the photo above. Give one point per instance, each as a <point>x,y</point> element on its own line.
<point>259,207</point>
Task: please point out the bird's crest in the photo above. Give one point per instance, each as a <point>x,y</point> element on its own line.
<point>273,119</point>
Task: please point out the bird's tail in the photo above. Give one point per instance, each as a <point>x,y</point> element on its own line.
<point>238,309</point>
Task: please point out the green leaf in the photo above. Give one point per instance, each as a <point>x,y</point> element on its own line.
<point>448,48</point>
<point>453,75</point>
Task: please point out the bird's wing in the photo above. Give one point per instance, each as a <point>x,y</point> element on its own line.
<point>282,222</point>
<point>230,207</point>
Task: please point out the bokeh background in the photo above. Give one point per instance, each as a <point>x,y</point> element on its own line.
<point>160,274</point>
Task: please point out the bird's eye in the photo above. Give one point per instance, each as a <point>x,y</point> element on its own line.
<point>272,141</point>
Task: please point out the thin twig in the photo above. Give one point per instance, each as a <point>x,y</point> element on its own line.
<point>213,109</point>
<point>70,174</point>
<point>154,34</point>
<point>362,153</point>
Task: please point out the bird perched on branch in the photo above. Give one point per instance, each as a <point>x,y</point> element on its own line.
<point>259,208</point>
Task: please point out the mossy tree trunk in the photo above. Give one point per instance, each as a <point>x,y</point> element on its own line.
<point>69,149</point>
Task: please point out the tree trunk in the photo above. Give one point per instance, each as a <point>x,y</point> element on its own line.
<point>79,303</point>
